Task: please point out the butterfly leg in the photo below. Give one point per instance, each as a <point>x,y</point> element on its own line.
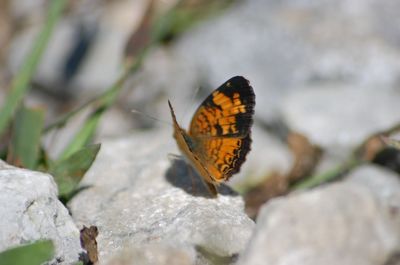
<point>172,157</point>
<point>192,176</point>
<point>211,188</point>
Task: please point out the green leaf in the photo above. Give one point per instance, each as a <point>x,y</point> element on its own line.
<point>32,254</point>
<point>68,172</point>
<point>25,143</point>
<point>20,83</point>
<point>84,135</point>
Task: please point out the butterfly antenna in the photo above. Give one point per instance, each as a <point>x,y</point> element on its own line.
<point>195,93</point>
<point>150,117</point>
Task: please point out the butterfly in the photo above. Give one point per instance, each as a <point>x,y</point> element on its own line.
<point>219,138</point>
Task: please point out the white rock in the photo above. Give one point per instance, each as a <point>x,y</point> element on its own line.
<point>30,210</point>
<point>136,196</point>
<point>154,254</point>
<point>335,117</point>
<point>353,222</point>
<point>385,188</point>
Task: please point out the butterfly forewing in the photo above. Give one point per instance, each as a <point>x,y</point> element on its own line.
<point>227,112</point>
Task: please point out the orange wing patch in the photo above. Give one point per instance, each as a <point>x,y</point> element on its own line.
<point>218,118</point>
<point>224,156</point>
<point>229,105</point>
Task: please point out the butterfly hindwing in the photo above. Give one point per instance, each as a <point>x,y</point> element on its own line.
<point>225,155</point>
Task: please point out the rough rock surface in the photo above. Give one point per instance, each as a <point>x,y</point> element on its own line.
<point>154,254</point>
<point>137,196</point>
<point>30,210</point>
<point>353,222</point>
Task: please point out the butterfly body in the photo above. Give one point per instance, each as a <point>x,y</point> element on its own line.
<point>218,139</point>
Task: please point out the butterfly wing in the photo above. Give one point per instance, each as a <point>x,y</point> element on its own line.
<point>221,128</point>
<point>228,111</point>
<point>226,156</point>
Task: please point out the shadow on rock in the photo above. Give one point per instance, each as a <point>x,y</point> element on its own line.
<point>181,175</point>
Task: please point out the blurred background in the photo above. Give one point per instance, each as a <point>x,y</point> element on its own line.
<point>326,76</point>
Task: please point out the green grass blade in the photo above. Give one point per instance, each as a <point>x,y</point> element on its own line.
<point>103,103</point>
<point>60,122</point>
<point>69,172</point>
<point>19,85</point>
<point>25,141</point>
<point>327,176</point>
<point>33,254</point>
<point>83,136</point>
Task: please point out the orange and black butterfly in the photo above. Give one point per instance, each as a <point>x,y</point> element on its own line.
<point>219,139</point>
